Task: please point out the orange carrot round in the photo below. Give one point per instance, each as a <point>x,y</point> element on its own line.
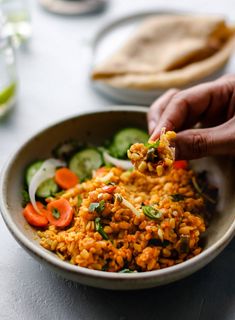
<point>33,217</point>
<point>101,171</point>
<point>180,164</point>
<point>60,213</point>
<point>65,178</point>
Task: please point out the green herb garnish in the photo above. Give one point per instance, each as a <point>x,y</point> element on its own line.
<point>56,213</point>
<point>177,197</point>
<point>151,212</point>
<point>154,144</point>
<point>93,206</point>
<point>101,206</point>
<point>97,206</point>
<point>26,199</point>
<point>99,228</point>
<point>79,202</point>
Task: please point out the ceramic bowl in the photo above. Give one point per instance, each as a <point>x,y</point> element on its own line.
<point>96,127</point>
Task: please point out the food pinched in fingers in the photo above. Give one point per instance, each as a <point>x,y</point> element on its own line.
<point>155,157</point>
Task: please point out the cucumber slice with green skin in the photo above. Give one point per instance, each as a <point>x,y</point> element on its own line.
<point>84,162</point>
<point>31,170</point>
<point>124,139</point>
<point>47,188</point>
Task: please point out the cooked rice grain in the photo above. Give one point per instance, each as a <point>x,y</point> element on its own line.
<point>134,242</point>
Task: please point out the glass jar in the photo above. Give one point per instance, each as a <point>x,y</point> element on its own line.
<point>17,20</point>
<point>8,80</point>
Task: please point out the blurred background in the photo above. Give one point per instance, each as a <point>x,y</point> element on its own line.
<point>53,59</point>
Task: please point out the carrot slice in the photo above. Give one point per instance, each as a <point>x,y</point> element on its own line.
<point>101,171</point>
<point>33,217</point>
<point>60,213</point>
<point>65,178</point>
<point>180,164</point>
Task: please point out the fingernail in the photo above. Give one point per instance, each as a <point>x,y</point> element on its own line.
<point>152,125</point>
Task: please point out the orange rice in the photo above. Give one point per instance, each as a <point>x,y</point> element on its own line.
<point>134,240</point>
<point>154,158</point>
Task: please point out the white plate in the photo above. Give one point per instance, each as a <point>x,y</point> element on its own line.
<point>71,8</point>
<point>112,36</point>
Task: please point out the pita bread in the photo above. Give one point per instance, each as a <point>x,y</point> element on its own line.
<point>169,51</point>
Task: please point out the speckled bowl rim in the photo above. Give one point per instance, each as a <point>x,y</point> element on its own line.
<point>213,250</point>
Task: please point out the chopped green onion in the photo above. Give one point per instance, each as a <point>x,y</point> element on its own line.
<point>151,212</point>
<point>99,228</point>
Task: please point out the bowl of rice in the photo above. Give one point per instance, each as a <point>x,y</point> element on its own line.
<point>111,226</point>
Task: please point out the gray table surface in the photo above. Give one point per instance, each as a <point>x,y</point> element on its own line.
<point>53,84</point>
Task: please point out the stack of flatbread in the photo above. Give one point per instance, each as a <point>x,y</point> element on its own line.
<point>169,51</point>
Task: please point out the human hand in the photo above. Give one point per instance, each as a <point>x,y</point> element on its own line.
<point>210,105</point>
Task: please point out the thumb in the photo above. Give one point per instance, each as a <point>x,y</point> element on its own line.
<point>198,143</point>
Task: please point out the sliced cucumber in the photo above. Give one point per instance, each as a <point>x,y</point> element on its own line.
<point>31,170</point>
<point>124,139</point>
<point>84,162</point>
<point>47,188</point>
